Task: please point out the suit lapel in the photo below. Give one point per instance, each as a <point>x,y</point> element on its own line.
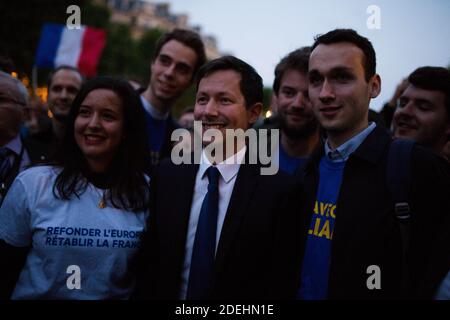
<point>244,187</point>
<point>182,206</point>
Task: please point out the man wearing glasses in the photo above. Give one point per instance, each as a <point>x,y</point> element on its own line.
<point>13,156</point>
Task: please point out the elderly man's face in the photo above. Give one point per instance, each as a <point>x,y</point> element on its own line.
<point>12,103</point>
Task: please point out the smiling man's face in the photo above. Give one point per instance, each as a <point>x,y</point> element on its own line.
<point>172,71</point>
<point>338,89</point>
<point>221,105</point>
<point>422,116</point>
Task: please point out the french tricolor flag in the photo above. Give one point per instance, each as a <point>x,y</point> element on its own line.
<point>79,48</point>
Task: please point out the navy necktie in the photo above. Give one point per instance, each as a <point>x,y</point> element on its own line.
<point>5,164</point>
<point>203,252</point>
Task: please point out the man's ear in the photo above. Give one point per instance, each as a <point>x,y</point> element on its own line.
<point>254,112</point>
<point>375,86</point>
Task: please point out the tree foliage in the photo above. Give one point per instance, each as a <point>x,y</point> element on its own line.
<point>21,22</point>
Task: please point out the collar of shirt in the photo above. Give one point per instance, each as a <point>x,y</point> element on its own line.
<point>228,168</point>
<point>342,152</point>
<point>156,114</point>
<point>15,145</point>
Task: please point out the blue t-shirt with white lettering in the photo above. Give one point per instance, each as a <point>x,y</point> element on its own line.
<point>78,250</point>
<point>316,261</point>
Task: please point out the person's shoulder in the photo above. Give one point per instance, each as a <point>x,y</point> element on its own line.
<point>427,163</point>
<point>173,123</point>
<point>426,156</point>
<point>167,164</point>
<point>168,168</point>
<point>279,181</point>
<point>39,172</point>
<point>279,175</point>
<point>44,136</point>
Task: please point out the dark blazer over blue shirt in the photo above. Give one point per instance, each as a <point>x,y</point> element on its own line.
<point>366,230</point>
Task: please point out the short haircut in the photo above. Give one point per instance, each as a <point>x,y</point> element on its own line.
<point>434,79</point>
<point>251,84</point>
<point>351,36</point>
<point>20,87</point>
<point>296,60</point>
<point>190,39</point>
<point>62,67</point>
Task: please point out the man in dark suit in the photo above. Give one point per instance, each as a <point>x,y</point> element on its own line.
<point>13,153</point>
<point>212,224</point>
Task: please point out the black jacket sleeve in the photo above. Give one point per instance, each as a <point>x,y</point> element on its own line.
<point>12,260</point>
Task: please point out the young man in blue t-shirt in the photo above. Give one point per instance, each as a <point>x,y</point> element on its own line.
<point>346,242</point>
<point>299,128</point>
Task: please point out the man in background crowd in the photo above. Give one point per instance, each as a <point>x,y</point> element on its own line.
<point>299,128</point>
<point>423,113</point>
<point>63,84</point>
<point>178,56</point>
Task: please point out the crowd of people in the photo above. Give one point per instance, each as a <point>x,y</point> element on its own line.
<point>93,207</point>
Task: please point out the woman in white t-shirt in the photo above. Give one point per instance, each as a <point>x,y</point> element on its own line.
<point>70,229</point>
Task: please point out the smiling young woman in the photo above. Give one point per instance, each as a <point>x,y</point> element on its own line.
<point>64,212</point>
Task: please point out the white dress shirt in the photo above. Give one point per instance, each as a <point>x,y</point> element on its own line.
<point>228,171</point>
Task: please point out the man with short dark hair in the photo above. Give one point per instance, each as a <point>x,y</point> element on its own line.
<point>346,241</point>
<point>423,113</point>
<point>13,153</point>
<point>299,128</point>
<point>212,224</point>
<point>178,56</point>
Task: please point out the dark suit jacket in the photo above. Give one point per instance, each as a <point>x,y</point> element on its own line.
<point>14,171</point>
<point>242,265</point>
<point>42,146</point>
<point>366,230</point>
<point>172,125</point>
